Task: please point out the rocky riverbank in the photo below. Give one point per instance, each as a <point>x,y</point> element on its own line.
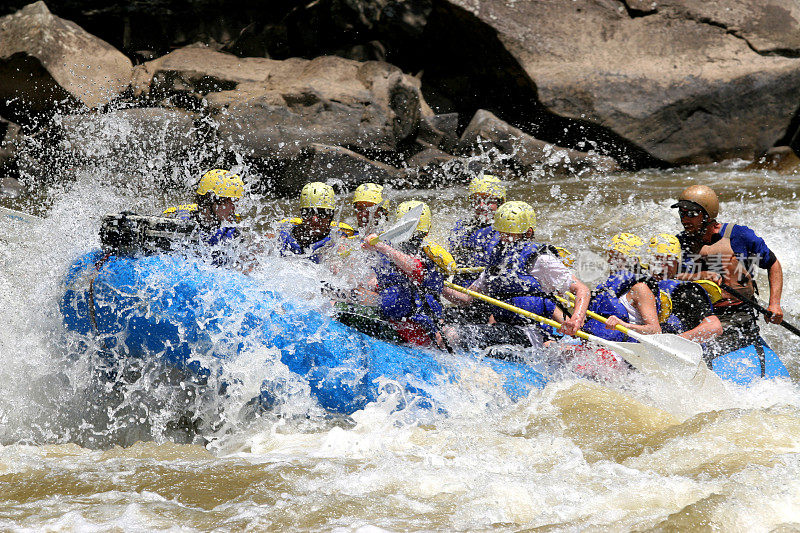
<point>402,91</point>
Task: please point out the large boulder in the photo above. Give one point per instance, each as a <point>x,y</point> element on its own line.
<point>439,130</point>
<point>269,108</point>
<point>429,156</point>
<point>46,61</point>
<point>781,159</point>
<point>687,80</point>
<point>334,164</point>
<point>527,153</point>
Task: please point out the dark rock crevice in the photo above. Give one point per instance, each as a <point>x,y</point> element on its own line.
<point>792,136</point>
<point>637,11</point>
<point>466,68</point>
<point>737,33</point>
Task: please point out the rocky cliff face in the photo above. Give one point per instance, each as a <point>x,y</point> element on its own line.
<point>648,83</point>
<point>688,81</point>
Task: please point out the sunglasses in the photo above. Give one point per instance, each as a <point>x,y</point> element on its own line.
<point>689,213</point>
<point>316,212</point>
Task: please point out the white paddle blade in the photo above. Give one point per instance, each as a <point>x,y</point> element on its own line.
<point>666,352</point>
<point>670,364</point>
<point>669,343</point>
<point>688,369</point>
<point>709,384</point>
<point>404,228</point>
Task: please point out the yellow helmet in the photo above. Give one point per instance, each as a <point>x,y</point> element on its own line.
<point>627,244</point>
<point>223,183</point>
<point>425,220</point>
<point>666,244</point>
<point>700,196</point>
<point>317,195</point>
<point>514,217</point>
<point>489,185</point>
<point>368,192</point>
<point>531,216</point>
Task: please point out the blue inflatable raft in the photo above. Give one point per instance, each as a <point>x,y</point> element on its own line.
<point>751,362</point>
<point>181,311</point>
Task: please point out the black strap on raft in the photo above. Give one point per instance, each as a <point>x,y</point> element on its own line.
<point>90,293</point>
<point>761,357</point>
<point>366,320</point>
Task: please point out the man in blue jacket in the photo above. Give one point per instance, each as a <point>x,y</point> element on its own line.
<point>698,208</point>
<point>727,254</point>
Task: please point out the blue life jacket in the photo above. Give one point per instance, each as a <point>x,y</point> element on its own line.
<point>507,274</point>
<point>219,240</point>
<point>401,298</point>
<point>288,244</point>
<point>472,246</point>
<point>508,278</point>
<point>219,235</point>
<point>606,301</point>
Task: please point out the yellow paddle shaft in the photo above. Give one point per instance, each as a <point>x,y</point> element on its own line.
<point>509,307</point>
<point>592,314</point>
<point>470,270</point>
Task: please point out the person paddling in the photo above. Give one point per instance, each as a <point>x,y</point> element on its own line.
<point>214,209</point>
<point>310,234</point>
<point>370,205</point>
<point>686,308</point>
<point>698,208</point>
<point>214,213</point>
<point>410,278</point>
<point>726,254</point>
<point>627,297</point>
<point>524,272</point>
<point>472,240</point>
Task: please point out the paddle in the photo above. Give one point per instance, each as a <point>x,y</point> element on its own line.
<point>669,351</point>
<point>758,307</point>
<point>673,345</point>
<point>648,358</point>
<point>17,215</point>
<point>399,232</point>
<point>403,229</point>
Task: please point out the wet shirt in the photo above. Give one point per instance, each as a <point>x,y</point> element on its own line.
<point>547,269</point>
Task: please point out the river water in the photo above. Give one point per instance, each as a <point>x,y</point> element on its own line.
<point>630,454</point>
